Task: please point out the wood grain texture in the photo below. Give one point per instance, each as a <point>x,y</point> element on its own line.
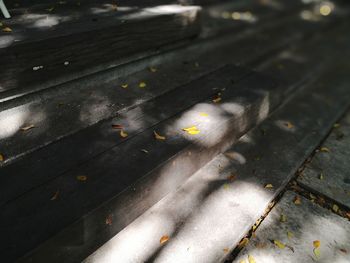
<point>126,167</point>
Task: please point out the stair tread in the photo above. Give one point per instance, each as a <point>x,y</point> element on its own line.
<point>210,213</point>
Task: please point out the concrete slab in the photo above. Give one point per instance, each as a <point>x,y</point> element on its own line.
<point>328,172</point>
<point>305,224</point>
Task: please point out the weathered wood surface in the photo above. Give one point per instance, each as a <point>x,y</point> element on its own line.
<point>86,42</point>
<point>121,167</point>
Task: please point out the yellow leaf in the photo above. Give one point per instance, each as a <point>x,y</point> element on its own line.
<point>82,178</point>
<point>153,69</point>
<point>290,235</point>
<point>226,186</point>
<point>242,261</point>
<point>283,218</point>
<point>7,30</point>
<point>297,200</point>
<point>317,252</point>
<point>226,250</point>
<point>157,136</point>
<point>164,239</point>
<point>123,134</point>
<point>289,125</point>
<point>192,130</point>
<point>335,208</point>
<point>251,259</point>
<point>2,158</point>
<point>26,128</point>
<point>142,84</point>
<point>217,99</point>
<point>279,244</point>
<point>268,186</point>
<point>203,114</point>
<point>324,149</point>
<point>317,243</point>
<point>243,243</point>
<point>336,125</point>
<point>125,85</point>
<point>55,195</point>
<point>321,176</point>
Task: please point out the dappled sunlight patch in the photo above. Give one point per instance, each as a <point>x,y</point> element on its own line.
<point>208,128</point>
<point>139,240</point>
<point>12,120</point>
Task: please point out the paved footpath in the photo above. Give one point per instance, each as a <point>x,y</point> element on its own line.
<point>310,223</point>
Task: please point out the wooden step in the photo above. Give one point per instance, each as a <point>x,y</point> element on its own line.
<point>139,178</point>
<point>45,47</point>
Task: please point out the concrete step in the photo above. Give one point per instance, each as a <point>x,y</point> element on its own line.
<point>137,179</point>
<point>212,211</point>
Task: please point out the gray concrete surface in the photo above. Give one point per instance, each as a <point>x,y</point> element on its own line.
<point>329,171</point>
<point>307,223</point>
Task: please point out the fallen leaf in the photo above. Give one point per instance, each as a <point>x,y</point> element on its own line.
<point>324,149</point>
<point>290,247</point>
<point>343,250</point>
<point>191,130</point>
<point>144,150</point>
<point>114,7</point>
<point>242,261</point>
<point>321,176</point>
<point>124,86</point>
<point>226,250</point>
<point>251,259</point>
<point>316,243</point>
<point>55,195</point>
<point>123,134</point>
<point>279,244</point>
<point>50,9</point>
<point>153,69</point>
<point>283,218</point>
<point>347,214</point>
<point>288,124</point>
<point>226,186</point>
<point>297,200</point>
<point>2,158</point>
<point>7,30</point>
<point>217,99</point>
<point>158,137</point>
<point>290,234</point>
<point>243,243</point>
<point>261,245</point>
<point>164,239</point>
<point>336,125</point>
<point>317,252</point>
<point>109,220</point>
<point>335,208</point>
<point>313,197</point>
<point>268,186</point>
<point>231,177</point>
<point>26,128</point>
<point>142,84</point>
<point>82,178</point>
<point>203,114</point>
<point>117,126</point>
